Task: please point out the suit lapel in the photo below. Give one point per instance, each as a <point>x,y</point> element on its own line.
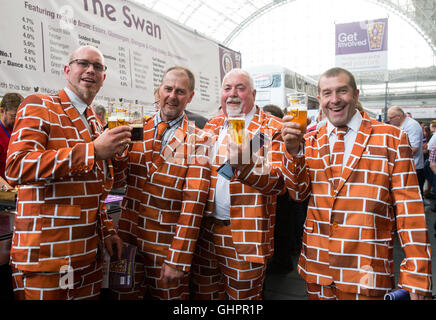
<point>74,116</point>
<point>359,146</point>
<point>323,146</point>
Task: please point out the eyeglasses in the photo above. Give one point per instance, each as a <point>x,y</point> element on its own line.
<point>85,65</point>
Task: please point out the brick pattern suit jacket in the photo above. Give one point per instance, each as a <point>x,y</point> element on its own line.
<point>165,198</point>
<point>61,188</point>
<point>253,192</point>
<point>349,232</point>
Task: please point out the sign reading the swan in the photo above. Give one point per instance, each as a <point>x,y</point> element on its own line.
<point>138,46</point>
<point>362,46</point>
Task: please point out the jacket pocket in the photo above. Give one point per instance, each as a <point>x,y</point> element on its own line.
<point>63,211</point>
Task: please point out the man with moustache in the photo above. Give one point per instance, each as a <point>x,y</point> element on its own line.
<point>167,178</point>
<point>61,162</point>
<point>364,188</point>
<point>236,236</point>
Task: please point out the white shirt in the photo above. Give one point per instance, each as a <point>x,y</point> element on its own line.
<point>222,190</point>
<point>414,131</point>
<point>349,138</point>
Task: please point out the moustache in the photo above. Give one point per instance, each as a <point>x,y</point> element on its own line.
<point>233,100</point>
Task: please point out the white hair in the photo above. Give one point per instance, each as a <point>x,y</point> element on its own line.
<point>239,71</point>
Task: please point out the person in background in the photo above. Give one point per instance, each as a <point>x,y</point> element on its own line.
<point>236,235</point>
<point>397,117</point>
<point>167,177</point>
<point>430,193</point>
<point>60,159</point>
<point>100,114</point>
<point>273,110</point>
<point>428,173</point>
<point>364,189</point>
<point>8,109</point>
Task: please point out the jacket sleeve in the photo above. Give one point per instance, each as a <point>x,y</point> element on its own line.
<point>195,193</point>
<point>415,269</point>
<point>29,160</point>
<point>297,180</point>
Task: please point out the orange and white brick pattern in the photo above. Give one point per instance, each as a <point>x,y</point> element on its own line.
<point>164,203</point>
<point>61,215</point>
<point>253,195</point>
<point>84,284</point>
<point>219,273</point>
<point>348,233</point>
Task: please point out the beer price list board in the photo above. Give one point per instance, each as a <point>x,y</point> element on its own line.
<point>138,46</point>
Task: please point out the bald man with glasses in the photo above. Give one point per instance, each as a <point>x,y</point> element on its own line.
<point>60,159</point>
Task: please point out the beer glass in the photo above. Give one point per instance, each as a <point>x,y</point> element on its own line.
<point>136,121</point>
<point>117,116</point>
<point>237,128</point>
<point>297,108</point>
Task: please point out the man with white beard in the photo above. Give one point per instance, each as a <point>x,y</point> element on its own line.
<point>236,235</point>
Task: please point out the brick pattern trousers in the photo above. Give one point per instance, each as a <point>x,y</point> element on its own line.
<point>147,283</point>
<point>218,271</point>
<point>70,284</point>
<point>331,292</point>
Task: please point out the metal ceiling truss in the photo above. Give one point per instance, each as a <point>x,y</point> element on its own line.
<point>420,14</point>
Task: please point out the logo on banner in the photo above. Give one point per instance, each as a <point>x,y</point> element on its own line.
<point>67,14</point>
<point>376,31</point>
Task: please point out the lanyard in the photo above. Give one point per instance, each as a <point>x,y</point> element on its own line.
<point>6,130</point>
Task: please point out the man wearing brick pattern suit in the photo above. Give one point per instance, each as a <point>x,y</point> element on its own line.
<point>236,237</point>
<point>60,161</point>
<point>166,193</point>
<point>352,216</point>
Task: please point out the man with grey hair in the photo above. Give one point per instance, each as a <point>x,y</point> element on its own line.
<point>236,235</point>
<point>100,113</point>
<point>399,118</point>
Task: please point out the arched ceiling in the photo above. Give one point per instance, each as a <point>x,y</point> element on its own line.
<point>223,20</point>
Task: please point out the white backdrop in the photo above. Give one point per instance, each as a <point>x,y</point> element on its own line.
<point>139,45</point>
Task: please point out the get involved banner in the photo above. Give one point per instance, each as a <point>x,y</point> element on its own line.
<point>362,46</point>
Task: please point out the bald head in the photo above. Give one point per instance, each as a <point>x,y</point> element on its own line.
<point>396,115</point>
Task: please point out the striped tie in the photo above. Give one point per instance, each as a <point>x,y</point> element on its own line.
<point>157,145</point>
<point>337,156</point>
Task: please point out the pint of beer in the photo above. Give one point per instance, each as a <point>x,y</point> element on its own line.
<point>297,108</point>
<point>237,129</point>
<point>136,121</point>
<point>117,116</point>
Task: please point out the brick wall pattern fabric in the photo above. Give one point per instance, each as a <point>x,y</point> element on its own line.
<point>349,232</point>
<point>61,188</point>
<point>243,247</point>
<point>165,198</point>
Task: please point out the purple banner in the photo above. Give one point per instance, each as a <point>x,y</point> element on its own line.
<point>362,37</point>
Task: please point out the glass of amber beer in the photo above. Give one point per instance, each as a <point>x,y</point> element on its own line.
<point>117,116</point>
<point>237,128</point>
<point>136,121</point>
<point>297,108</point>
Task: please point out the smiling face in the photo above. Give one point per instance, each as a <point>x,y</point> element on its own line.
<point>237,95</point>
<point>175,94</point>
<point>85,82</point>
<point>337,98</point>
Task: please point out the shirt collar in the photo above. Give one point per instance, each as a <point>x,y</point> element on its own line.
<point>76,101</point>
<point>353,124</point>
<point>158,119</point>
